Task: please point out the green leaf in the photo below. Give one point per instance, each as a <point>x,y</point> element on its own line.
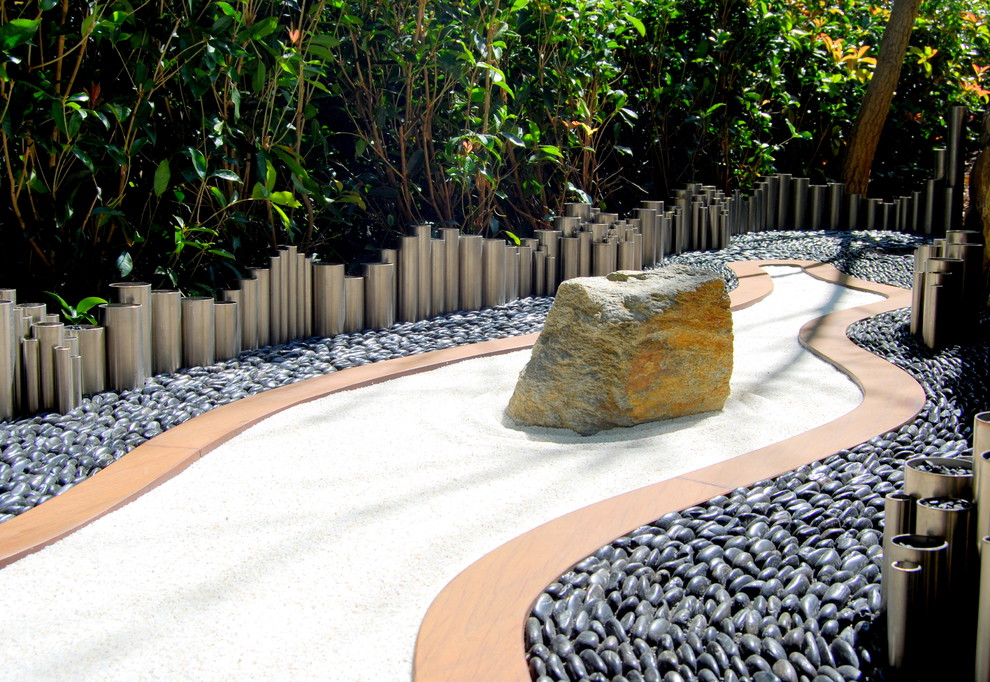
<point>284,199</point>
<point>223,253</point>
<point>125,264</point>
<point>198,161</point>
<point>290,159</point>
<point>270,175</point>
<point>47,4</point>
<point>226,175</point>
<point>259,191</point>
<point>84,157</point>
<point>636,23</point>
<point>281,214</point>
<point>89,302</point>
<point>551,150</point>
<point>61,301</point>
<point>514,238</point>
<point>162,176</point>
<point>18,32</point>
<point>218,195</point>
<point>263,28</point>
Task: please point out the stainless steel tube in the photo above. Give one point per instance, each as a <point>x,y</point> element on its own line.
<point>929,212</point>
<point>550,241</point>
<point>307,284</point>
<point>584,254</point>
<point>198,331</point>
<point>452,265</point>
<point>425,270</point>
<point>784,203</point>
<point>854,201</point>
<point>8,359</point>
<point>954,162</point>
<point>289,293</point>
<point>964,237</point>
<point>511,272</point>
<point>898,520</point>
<point>471,249</point>
<point>37,312</point>
<point>494,273</point>
<point>601,259</point>
<point>299,297</point>
<point>816,207</point>
<point>263,276</point>
<point>578,210</point>
<point>943,293</point>
<point>30,362</point>
<point>973,296</point>
<point>227,332</point>
<point>64,389</point>
<point>906,612</point>
<point>49,335</point>
<point>525,271</point>
<point>379,304</point>
<point>939,163</point>
<point>9,295</point>
<point>409,280</point>
<point>568,226</point>
<point>328,298</point>
<point>540,273</point>
<point>93,354</point>
<point>950,519</point>
<point>939,477</point>
<point>354,304</point>
<point>921,256</point>
<point>649,228</point>
<point>981,469</point>
<point>438,276</point>
<point>276,311</point>
<point>800,203</point>
<point>570,252</point>
<point>627,256</point>
<point>123,321</point>
<point>249,313</point>
<point>981,443</point>
<point>982,672</point>
<point>930,553</point>
<point>166,327</point>
<point>140,293</point>
<point>835,192</point>
<point>552,281</point>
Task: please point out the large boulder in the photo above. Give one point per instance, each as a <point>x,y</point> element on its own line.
<point>629,348</point>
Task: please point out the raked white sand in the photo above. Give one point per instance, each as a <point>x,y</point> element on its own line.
<point>309,547</point>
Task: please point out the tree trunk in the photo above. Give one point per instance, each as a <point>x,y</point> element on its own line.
<point>879,94</point>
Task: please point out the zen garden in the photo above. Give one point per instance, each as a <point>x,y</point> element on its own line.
<point>507,340</point>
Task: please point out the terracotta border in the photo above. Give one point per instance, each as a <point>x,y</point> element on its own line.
<point>164,456</point>
<point>474,628</point>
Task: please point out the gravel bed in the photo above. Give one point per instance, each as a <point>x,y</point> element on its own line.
<point>779,580</point>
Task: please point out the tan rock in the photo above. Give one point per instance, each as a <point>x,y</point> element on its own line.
<point>629,348</point>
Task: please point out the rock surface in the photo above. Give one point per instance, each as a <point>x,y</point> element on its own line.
<point>629,348</point>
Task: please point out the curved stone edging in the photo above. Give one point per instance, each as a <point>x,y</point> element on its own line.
<point>474,628</point>
<point>164,456</point>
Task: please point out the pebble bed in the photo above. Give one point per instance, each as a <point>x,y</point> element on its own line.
<point>779,580</point>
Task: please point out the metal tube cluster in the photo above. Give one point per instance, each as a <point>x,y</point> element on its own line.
<point>936,559</point>
<point>948,288</point>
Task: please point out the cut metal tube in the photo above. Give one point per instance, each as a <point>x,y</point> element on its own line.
<point>391,256</point>
<point>540,273</point>
<point>354,304</point>
<point>494,273</point>
<point>921,484</point>
<point>950,519</point>
<point>8,359</point>
<point>816,207</point>
<point>263,276</point>
<point>784,211</point>
<point>93,358</point>
<point>140,293</point>
<point>471,248</point>
<point>275,310</point>
<point>166,327</point>
<point>921,256</point>
<point>328,298</point>
<point>964,237</point>
<point>249,313</point>
<point>9,295</point>
<point>299,296</point>
<point>568,226</point>
<point>198,331</point>
<point>49,335</point>
<point>915,225</point>
<point>288,296</point>
<point>981,471</point>
<point>627,256</point>
<point>971,255</point>
<point>379,304</point>
<point>438,278</point>
<point>409,280</point>
<point>930,553</point>
<point>852,211</point>
<point>954,160</point>
<point>835,192</point>
<point>525,271</point>
<point>905,614</point>
<point>452,265</point>
<point>550,241</point>
<point>950,218</point>
<point>584,254</point>
<point>800,202</point>
<point>943,291</point>
<point>511,272</point>
<point>772,194</point>
<point>578,210</point>
<point>64,389</point>
<point>425,270</point>
<point>982,672</point>
<point>929,212</point>
<point>31,363</point>
<point>898,520</point>
<point>570,252</point>
<point>123,321</point>
<point>307,277</point>
<point>227,332</point>
<point>37,312</point>
<point>552,280</point>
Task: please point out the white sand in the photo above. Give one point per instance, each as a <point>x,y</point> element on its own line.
<point>310,546</point>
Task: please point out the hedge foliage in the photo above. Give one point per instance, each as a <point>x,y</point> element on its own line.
<point>177,141</point>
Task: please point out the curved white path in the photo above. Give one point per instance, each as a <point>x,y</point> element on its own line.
<point>310,546</point>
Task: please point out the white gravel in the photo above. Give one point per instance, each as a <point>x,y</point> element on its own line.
<point>310,546</point>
